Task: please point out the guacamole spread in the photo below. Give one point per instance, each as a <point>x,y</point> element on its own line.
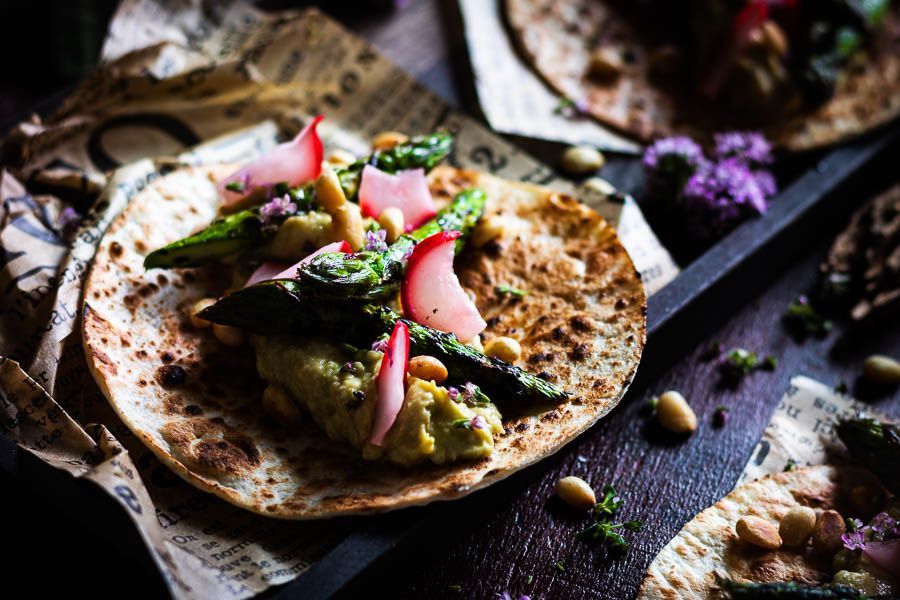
<point>336,387</point>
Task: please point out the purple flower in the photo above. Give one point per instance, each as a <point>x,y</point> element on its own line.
<point>719,196</point>
<point>469,390</point>
<point>277,208</point>
<point>883,523</point>
<point>67,220</point>
<point>375,240</point>
<point>453,393</point>
<point>749,147</point>
<point>380,345</point>
<point>478,422</point>
<point>855,540</point>
<point>680,148</point>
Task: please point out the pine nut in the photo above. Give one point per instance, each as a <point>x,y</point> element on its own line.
<point>759,532</point>
<point>428,368</point>
<point>504,348</point>
<point>675,414</point>
<point>581,160</point>
<point>329,193</point>
<point>392,221</point>
<point>599,186</point>
<point>340,158</point>
<point>797,525</point>
<point>388,139</point>
<point>196,308</point>
<point>576,492</point>
<point>826,535</point>
<point>881,370</point>
<point>488,228</point>
<point>347,224</point>
<point>230,336</point>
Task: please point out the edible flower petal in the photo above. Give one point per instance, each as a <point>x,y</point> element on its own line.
<point>277,208</point>
<point>375,241</point>
<point>390,382</point>
<point>294,163</point>
<point>749,147</point>
<point>407,190</point>
<point>282,270</point>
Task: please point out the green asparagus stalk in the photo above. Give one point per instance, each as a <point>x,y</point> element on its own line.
<point>791,591</point>
<point>375,275</point>
<point>876,445</point>
<point>245,229</point>
<point>278,308</point>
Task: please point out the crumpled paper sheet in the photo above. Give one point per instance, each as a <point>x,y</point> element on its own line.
<point>176,73</point>
<point>513,97</point>
<point>802,428</point>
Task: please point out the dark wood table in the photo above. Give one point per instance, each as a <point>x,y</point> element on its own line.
<point>515,545</point>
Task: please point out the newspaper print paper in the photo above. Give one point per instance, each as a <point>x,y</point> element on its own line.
<point>177,73</point>
<point>513,97</point>
<point>802,429</point>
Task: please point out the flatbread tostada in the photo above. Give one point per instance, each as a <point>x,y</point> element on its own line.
<point>320,413</point>
<point>807,72</point>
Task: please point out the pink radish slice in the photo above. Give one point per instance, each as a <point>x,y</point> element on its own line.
<point>294,162</point>
<point>885,554</point>
<point>407,190</point>
<point>282,270</point>
<point>431,292</point>
<point>390,383</point>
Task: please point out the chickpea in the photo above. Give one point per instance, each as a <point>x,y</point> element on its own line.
<point>230,336</point>
<point>675,414</point>
<point>581,160</point>
<point>388,139</point>
<point>428,368</point>
<point>797,525</point>
<point>198,306</point>
<point>329,193</point>
<point>759,532</point>
<point>504,348</point>
<point>576,492</point>
<point>489,228</point>
<point>826,535</point>
<point>392,221</point>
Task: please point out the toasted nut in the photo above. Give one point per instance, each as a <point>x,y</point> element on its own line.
<point>428,368</point>
<point>882,370</point>
<point>392,221</point>
<point>340,158</point>
<point>826,535</point>
<point>759,532</point>
<point>581,160</point>
<point>504,348</point>
<point>329,193</point>
<point>347,224</point>
<point>230,336</point>
<point>599,186</point>
<point>797,525</point>
<point>774,39</point>
<point>605,65</point>
<point>576,492</point>
<point>278,404</point>
<point>488,228</point>
<point>196,308</point>
<point>675,414</point>
<point>475,342</point>
<point>388,139</point>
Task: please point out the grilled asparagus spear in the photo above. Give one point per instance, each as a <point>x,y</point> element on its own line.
<point>374,275</point>
<point>278,308</point>
<point>790,591</point>
<point>244,229</point>
<point>876,445</point>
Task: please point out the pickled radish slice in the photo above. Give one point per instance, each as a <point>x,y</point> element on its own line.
<point>407,190</point>
<point>390,383</point>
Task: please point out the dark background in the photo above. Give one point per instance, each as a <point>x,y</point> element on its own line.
<point>513,541</point>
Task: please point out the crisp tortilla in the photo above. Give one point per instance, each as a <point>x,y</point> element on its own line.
<point>708,544</point>
<point>557,37</point>
<point>582,323</point>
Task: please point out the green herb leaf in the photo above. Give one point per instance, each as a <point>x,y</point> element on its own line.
<point>560,566</point>
<point>790,465</point>
<point>235,186</point>
<point>530,579</point>
<point>842,387</point>
<point>505,290</point>
<point>462,424</point>
<point>565,105</point>
<point>455,587</point>
<point>805,319</point>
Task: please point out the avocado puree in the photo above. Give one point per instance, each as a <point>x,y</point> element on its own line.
<point>336,387</point>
